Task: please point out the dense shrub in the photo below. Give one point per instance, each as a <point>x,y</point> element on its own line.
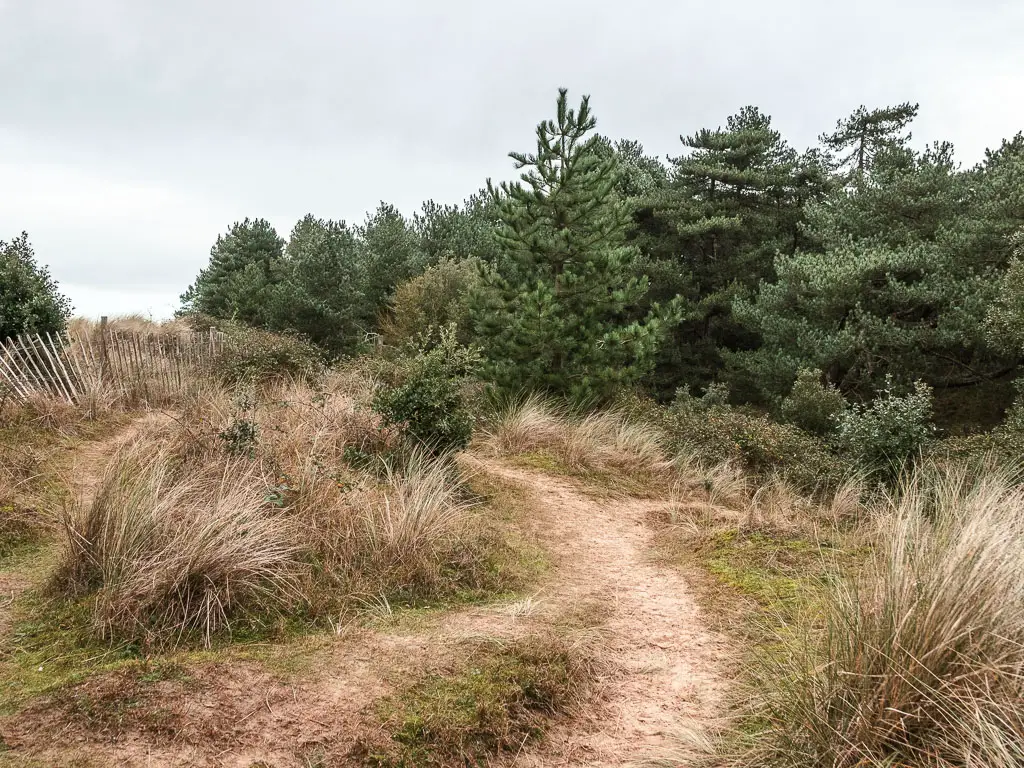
<point>811,405</point>
<point>439,297</point>
<point>427,398</point>
<point>714,434</point>
<point>884,434</point>
<point>254,355</point>
<point>30,301</point>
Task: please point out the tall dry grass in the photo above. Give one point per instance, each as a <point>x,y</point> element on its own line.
<point>919,659</point>
<point>186,532</point>
<point>170,554</point>
<point>600,440</point>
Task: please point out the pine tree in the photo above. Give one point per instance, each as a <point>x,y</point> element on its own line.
<point>865,133</point>
<point>321,295</point>
<point>733,200</point>
<point>551,313</point>
<point>244,265</point>
<point>909,260</point>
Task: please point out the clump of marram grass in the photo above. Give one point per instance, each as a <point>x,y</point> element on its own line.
<point>919,659</point>
<point>256,499</point>
<point>601,440</point>
<point>524,425</point>
<point>168,555</point>
<point>421,508</point>
<point>408,535</point>
<point>612,439</point>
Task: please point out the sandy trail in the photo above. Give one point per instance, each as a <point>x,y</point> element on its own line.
<point>667,669</point>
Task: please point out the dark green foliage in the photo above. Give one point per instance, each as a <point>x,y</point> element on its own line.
<point>551,315</point>
<point>812,405</point>
<point>733,200</point>
<point>391,254</point>
<point>457,233</point>
<point>885,434</point>
<point>866,133</point>
<point>427,398</point>
<point>907,267</point>
<point>863,258</point>
<point>1005,319</point>
<point>238,283</point>
<point>30,301</point>
<point>321,294</point>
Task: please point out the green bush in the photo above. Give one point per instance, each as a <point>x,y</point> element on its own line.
<point>30,301</point>
<point>715,433</point>
<point>884,434</point>
<point>811,405</point>
<point>427,397</point>
<point>254,355</point>
<point>439,297</point>
<point>1004,444</point>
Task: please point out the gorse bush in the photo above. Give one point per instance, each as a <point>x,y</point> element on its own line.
<point>427,400</point>
<point>918,660</point>
<point>884,434</point>
<point>811,405</point>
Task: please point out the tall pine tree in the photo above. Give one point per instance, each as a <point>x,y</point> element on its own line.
<point>551,313</point>
<point>860,137</point>
<point>245,264</point>
<point>734,199</point>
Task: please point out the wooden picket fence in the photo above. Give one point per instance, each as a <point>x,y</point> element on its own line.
<point>78,366</point>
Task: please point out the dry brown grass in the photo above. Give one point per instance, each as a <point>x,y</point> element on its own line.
<point>170,553</point>
<point>131,323</point>
<point>919,659</point>
<point>167,544</point>
<point>604,440</point>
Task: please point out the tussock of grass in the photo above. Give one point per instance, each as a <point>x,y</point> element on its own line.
<point>525,425</point>
<point>605,440</point>
<point>169,555</point>
<point>201,521</point>
<point>919,660</point>
<point>498,699</point>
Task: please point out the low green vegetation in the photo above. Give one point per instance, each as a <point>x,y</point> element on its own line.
<point>497,699</point>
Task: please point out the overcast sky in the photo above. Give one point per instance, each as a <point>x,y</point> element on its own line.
<point>133,131</point>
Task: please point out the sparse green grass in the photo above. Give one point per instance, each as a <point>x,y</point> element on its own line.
<point>48,648</point>
<point>498,699</point>
<point>601,482</point>
<point>750,581</point>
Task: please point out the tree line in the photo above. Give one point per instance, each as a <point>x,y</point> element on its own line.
<point>738,263</point>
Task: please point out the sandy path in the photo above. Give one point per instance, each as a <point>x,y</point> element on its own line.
<point>667,669</point>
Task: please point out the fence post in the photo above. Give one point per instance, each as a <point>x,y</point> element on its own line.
<point>103,350</point>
